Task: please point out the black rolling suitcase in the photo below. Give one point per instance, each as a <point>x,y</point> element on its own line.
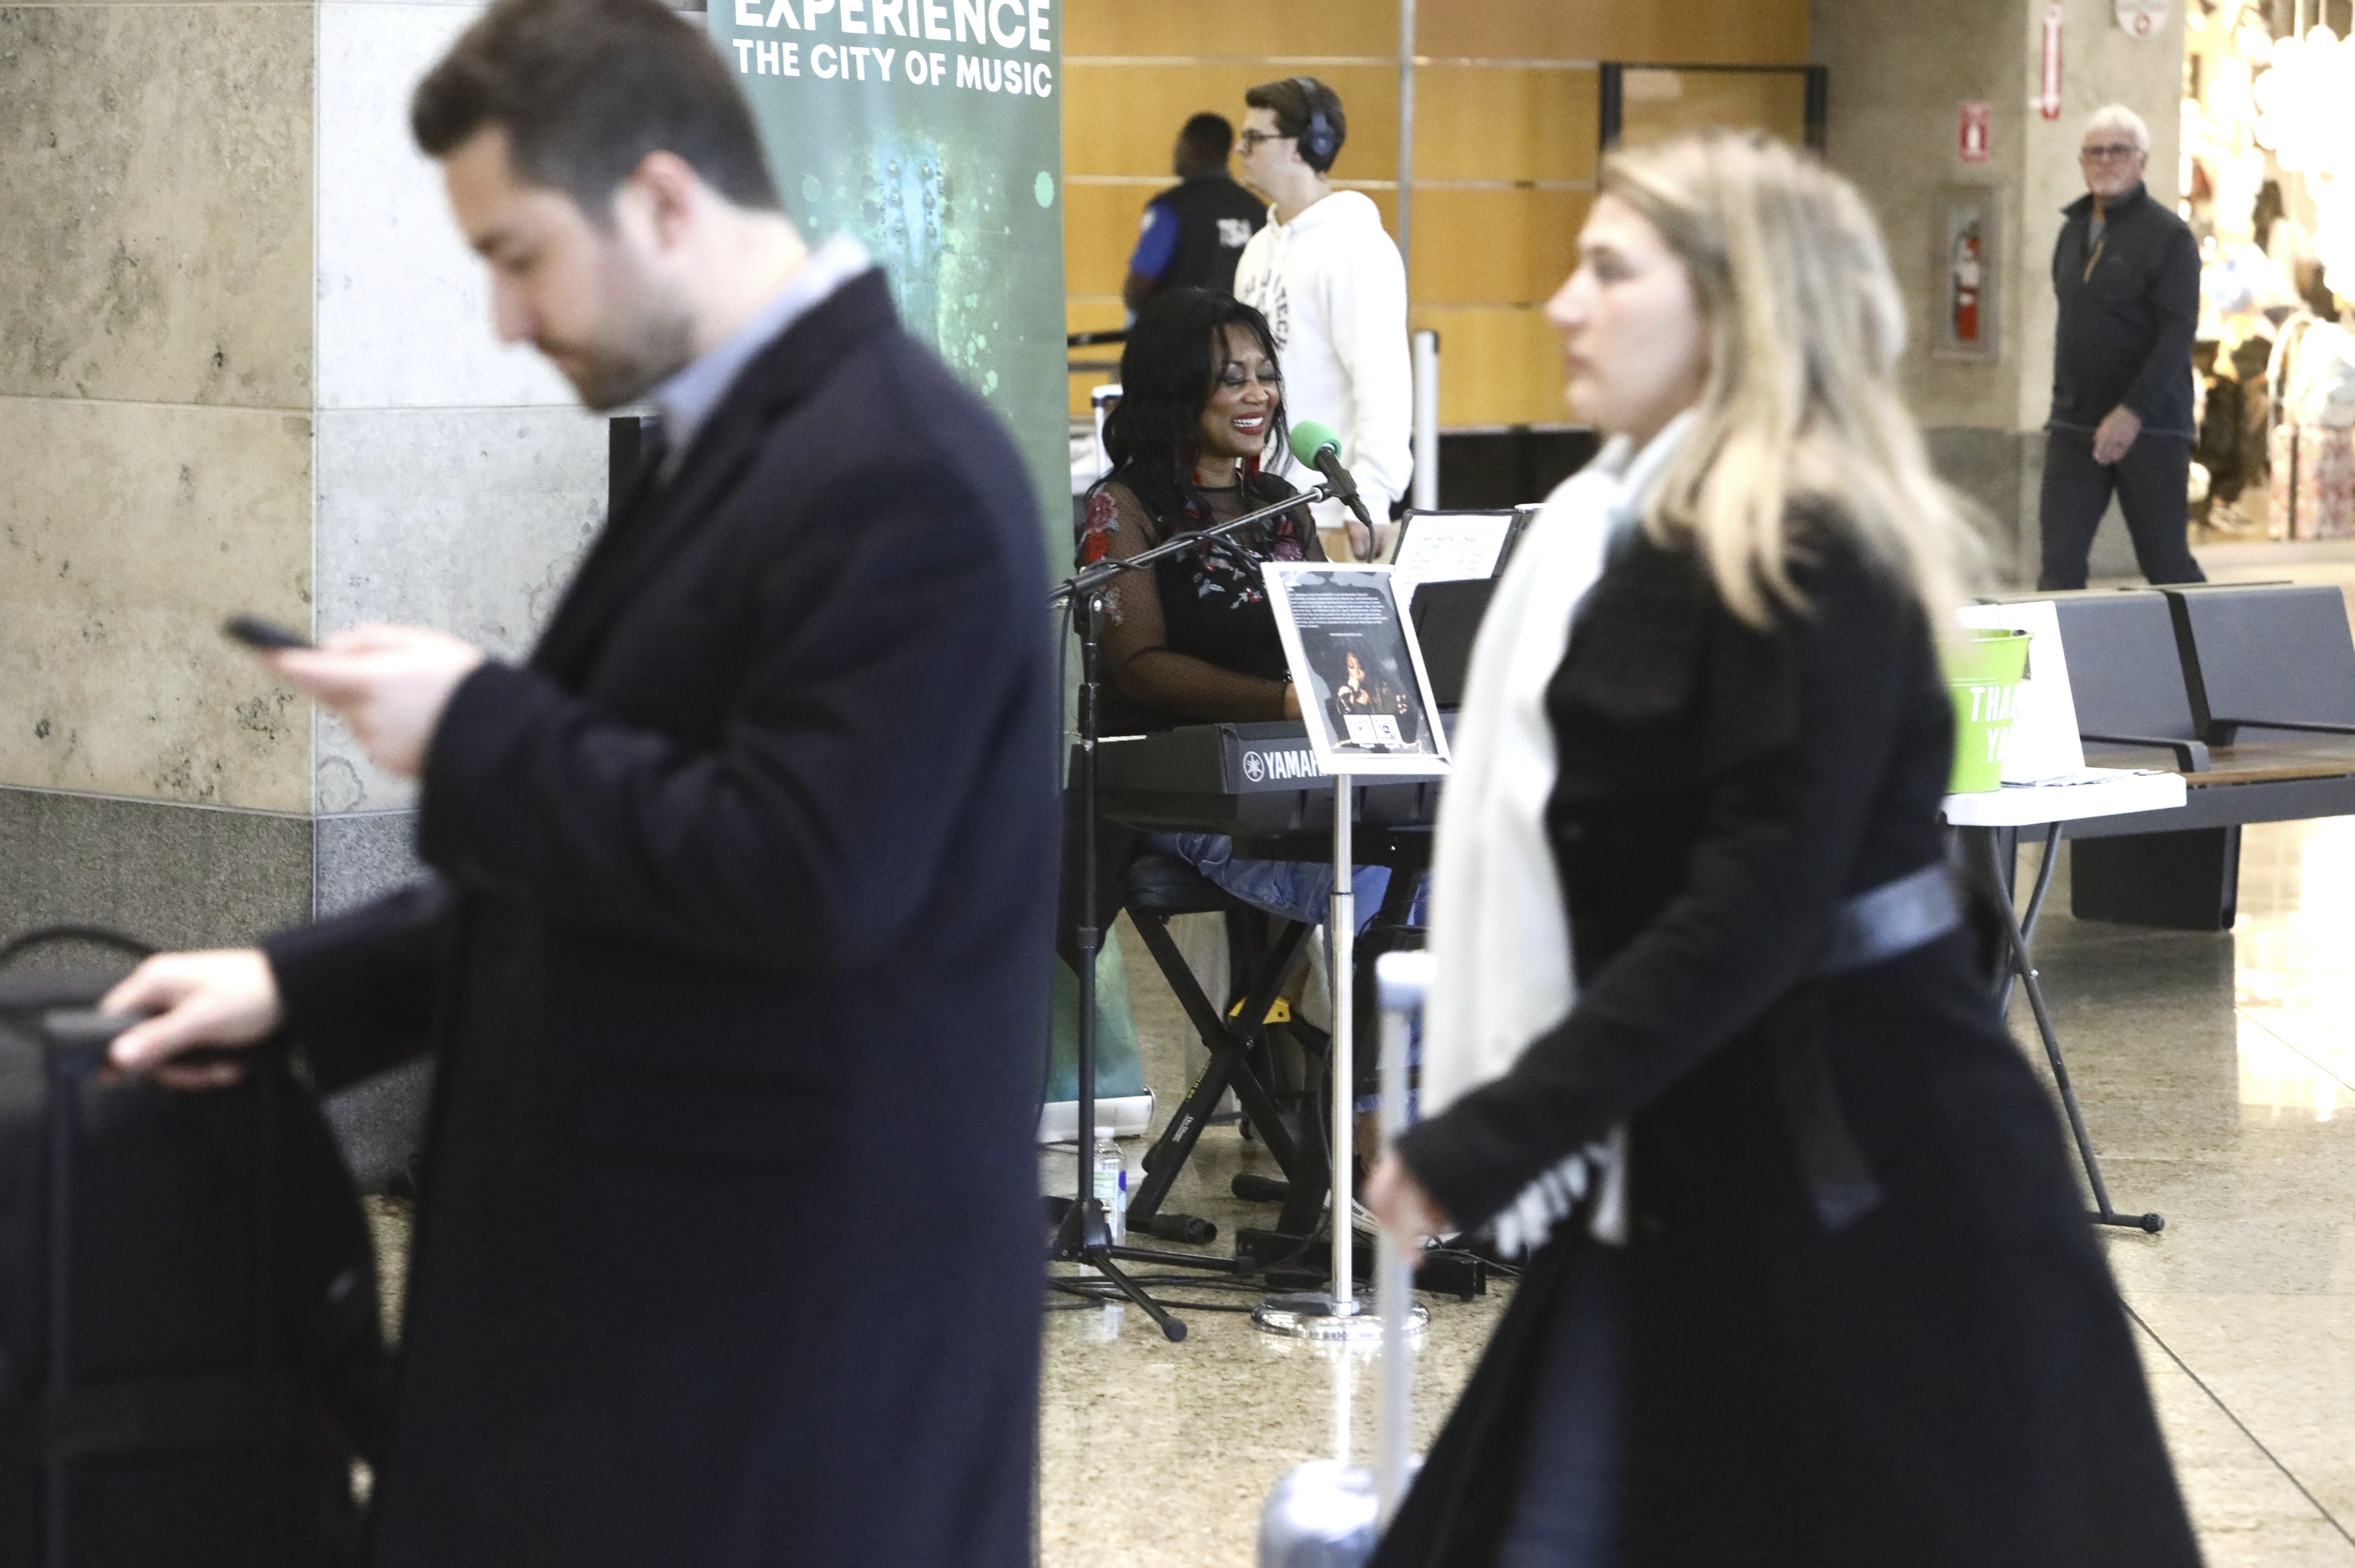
<point>190,1359</point>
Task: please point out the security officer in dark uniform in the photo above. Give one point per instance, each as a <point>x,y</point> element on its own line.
<point>1195,231</point>
<point>2127,275</point>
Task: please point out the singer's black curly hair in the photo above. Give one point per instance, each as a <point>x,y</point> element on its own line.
<point>1176,350</point>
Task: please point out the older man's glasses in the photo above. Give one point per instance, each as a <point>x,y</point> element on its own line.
<point>2109,153</point>
<point>1250,140</point>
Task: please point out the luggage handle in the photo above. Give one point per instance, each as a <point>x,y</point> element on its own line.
<point>1401,980</point>
<point>79,1037</point>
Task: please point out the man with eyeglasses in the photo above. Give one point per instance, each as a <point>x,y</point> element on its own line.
<point>2126,272</point>
<point>1329,280</point>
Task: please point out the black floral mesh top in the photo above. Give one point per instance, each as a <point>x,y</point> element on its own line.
<point>1193,639</point>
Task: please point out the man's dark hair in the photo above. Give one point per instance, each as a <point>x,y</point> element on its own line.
<point>585,89</point>
<point>1208,139</point>
<point>1296,102</point>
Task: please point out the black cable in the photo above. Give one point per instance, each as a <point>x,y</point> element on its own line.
<point>90,935</point>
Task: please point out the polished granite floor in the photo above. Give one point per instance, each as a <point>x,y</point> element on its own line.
<point>2217,1078</point>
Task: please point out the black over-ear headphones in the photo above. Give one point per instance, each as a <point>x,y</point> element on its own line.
<point>1316,138</point>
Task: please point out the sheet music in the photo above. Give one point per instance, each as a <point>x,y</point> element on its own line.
<point>1440,547</point>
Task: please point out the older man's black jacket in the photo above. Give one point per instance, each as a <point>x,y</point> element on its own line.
<point>2129,306</point>
<point>737,969</point>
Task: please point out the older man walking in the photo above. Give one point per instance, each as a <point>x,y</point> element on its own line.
<point>2126,272</point>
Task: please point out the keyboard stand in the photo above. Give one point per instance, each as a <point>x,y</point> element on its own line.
<point>1229,1041</point>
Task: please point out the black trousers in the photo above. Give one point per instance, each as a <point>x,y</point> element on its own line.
<point>2150,482</point>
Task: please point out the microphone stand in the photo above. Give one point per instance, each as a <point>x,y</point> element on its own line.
<point>1085,1234</point>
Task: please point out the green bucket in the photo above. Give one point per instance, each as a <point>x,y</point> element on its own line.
<point>1984,670</point>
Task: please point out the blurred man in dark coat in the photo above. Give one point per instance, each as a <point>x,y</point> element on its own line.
<point>736,959</point>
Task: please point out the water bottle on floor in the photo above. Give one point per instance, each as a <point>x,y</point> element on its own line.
<point>1112,1186</point>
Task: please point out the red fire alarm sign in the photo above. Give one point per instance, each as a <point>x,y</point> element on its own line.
<point>1973,122</point>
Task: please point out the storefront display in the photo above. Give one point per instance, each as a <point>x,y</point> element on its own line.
<point>2268,173</point>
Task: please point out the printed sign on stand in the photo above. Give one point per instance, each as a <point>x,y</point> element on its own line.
<point>1364,696</point>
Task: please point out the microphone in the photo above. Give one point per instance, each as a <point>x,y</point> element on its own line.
<point>1316,446</point>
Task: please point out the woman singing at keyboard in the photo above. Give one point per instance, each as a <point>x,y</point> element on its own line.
<point>1192,640</point>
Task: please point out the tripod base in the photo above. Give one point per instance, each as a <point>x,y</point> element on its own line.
<point>1310,1314</point>
<point>2154,1223</point>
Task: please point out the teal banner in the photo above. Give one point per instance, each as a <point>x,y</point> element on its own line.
<point>933,131</point>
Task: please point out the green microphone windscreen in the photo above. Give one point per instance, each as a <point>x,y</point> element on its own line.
<point>1309,438</point>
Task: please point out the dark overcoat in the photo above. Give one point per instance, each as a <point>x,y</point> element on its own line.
<point>737,970</point>
<point>1869,1324</point>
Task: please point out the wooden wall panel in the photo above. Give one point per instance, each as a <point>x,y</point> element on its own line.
<point>1663,103</point>
<point>1198,27</point>
<point>1498,123</point>
<point>1485,258</point>
<point>1495,367</point>
<point>1722,32</point>
<point>1123,118</point>
<point>1494,247</point>
<point>1100,225</point>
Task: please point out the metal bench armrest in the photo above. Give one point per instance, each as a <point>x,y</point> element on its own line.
<point>2318,728</point>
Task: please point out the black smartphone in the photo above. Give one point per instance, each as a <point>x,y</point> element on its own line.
<point>256,633</point>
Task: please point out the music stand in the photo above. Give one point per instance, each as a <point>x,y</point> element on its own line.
<point>1333,617</point>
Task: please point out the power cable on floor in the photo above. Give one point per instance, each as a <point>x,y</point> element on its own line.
<point>2331,1519</point>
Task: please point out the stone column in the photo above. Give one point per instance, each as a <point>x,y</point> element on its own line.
<point>245,365</point>
<point>1898,73</point>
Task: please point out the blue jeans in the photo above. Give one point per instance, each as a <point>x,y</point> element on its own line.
<point>1295,889</point>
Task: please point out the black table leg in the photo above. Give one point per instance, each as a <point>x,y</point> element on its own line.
<point>2024,971</point>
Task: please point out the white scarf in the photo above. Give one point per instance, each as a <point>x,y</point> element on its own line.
<point>1499,931</point>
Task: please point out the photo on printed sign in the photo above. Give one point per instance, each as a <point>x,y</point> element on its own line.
<point>1364,695</point>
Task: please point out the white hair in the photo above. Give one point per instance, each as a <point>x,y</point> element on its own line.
<point>2118,117</point>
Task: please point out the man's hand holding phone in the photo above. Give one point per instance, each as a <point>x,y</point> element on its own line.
<point>390,684</point>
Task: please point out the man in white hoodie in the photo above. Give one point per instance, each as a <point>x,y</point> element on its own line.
<point>1329,281</point>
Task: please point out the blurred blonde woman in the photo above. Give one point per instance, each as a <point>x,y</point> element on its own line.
<point>1710,1037</point>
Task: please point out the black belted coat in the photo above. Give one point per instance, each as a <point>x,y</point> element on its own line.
<point>737,970</point>
<point>1869,1321</point>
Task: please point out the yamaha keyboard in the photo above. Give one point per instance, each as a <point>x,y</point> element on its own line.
<point>1252,781</point>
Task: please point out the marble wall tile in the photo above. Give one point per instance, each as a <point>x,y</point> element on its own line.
<point>155,183</point>
<point>404,306</point>
<point>468,519</point>
<point>121,547</point>
<point>360,857</point>
<point>173,875</point>
<point>379,1121</point>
